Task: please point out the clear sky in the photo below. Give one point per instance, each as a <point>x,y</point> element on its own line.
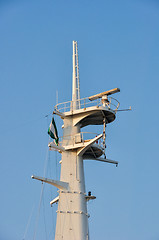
<point>118,47</point>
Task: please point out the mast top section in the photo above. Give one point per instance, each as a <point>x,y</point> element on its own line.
<point>75,78</point>
<point>90,110</point>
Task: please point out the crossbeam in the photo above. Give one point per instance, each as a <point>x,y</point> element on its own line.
<point>55,183</point>
<point>102,160</point>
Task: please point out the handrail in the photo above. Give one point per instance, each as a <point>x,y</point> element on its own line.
<point>71,135</point>
<point>113,104</point>
<point>83,138</point>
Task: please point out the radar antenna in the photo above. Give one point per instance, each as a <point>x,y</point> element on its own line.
<point>106,93</point>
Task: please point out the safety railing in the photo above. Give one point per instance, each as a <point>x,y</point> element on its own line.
<point>84,103</point>
<point>81,137</point>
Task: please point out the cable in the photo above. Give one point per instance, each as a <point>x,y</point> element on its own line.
<point>44,218</point>
<point>27,226</point>
<point>41,195</point>
<point>38,214</point>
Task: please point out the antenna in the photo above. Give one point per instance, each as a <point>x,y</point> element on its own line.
<point>75,78</point>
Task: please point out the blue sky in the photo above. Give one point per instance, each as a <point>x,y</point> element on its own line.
<point>118,47</point>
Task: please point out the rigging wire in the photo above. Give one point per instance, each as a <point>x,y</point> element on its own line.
<point>53,216</point>
<point>52,232</point>
<point>44,218</point>
<point>42,188</point>
<point>38,214</point>
<point>50,172</point>
<point>41,201</point>
<point>28,223</point>
<point>56,165</point>
<point>41,194</point>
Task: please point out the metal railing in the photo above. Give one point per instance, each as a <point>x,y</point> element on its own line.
<point>84,103</point>
<point>81,137</point>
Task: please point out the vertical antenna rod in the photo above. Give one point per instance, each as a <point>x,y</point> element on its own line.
<point>75,78</point>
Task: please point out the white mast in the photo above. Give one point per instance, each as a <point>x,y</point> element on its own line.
<point>75,78</point>
<point>75,147</point>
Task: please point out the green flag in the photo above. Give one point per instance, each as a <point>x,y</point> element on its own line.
<point>52,131</point>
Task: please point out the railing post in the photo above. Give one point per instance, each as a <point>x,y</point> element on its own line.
<point>97,102</point>
<point>82,136</point>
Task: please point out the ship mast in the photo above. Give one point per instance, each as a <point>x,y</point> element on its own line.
<point>75,147</point>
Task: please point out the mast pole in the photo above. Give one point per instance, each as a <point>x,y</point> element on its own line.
<point>72,216</point>
<point>75,78</point>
